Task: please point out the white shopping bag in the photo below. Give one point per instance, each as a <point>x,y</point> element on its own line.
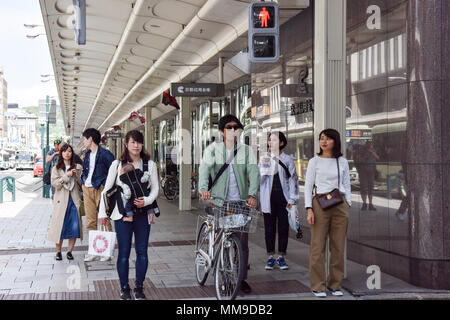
<point>293,218</point>
<point>101,243</point>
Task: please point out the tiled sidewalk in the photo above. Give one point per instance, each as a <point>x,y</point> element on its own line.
<point>28,269</point>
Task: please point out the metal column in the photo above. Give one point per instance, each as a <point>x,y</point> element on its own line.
<point>184,161</point>
<point>329,75</point>
<point>148,130</point>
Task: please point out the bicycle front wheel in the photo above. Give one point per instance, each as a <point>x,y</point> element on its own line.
<point>229,269</point>
<point>170,189</point>
<point>201,265</point>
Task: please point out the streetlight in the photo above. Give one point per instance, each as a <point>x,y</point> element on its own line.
<point>31,26</point>
<point>35,35</point>
<point>45,188</point>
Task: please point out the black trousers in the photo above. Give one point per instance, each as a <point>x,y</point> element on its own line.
<point>278,216</point>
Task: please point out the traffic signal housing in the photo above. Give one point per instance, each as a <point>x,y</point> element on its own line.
<point>263,32</point>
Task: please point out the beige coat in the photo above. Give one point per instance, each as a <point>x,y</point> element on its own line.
<point>61,200</point>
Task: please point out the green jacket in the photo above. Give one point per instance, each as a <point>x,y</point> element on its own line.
<point>245,169</point>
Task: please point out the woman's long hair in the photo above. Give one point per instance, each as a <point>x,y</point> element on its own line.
<point>332,134</point>
<point>139,137</point>
<point>60,164</point>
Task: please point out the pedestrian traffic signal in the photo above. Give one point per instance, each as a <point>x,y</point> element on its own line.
<point>263,32</point>
<point>263,16</point>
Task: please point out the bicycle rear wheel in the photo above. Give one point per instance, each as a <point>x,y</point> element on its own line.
<point>170,189</point>
<point>201,267</point>
<point>229,269</point>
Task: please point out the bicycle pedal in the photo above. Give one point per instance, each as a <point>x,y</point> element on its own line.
<point>200,261</point>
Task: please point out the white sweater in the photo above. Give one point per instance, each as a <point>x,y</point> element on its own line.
<point>322,172</point>
<point>114,169</point>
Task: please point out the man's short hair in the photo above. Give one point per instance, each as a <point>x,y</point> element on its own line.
<point>227,119</point>
<point>94,133</point>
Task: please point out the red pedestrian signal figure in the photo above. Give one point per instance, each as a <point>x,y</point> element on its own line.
<point>264,17</point>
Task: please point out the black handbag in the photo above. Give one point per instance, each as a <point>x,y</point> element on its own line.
<point>47,178</point>
<point>112,197</point>
<point>333,198</point>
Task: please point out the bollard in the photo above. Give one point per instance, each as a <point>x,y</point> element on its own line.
<point>8,184</point>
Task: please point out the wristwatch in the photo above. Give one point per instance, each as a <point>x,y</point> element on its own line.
<point>308,208</point>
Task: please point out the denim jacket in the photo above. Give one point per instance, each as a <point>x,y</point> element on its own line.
<point>289,185</point>
<point>103,161</point>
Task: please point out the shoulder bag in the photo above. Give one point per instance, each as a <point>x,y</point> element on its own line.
<point>221,171</point>
<point>112,197</point>
<point>208,209</point>
<point>333,198</point>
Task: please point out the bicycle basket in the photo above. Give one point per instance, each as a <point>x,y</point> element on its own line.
<point>236,216</point>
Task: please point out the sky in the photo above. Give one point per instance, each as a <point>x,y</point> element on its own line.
<point>24,60</point>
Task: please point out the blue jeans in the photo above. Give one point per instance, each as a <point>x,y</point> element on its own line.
<point>124,231</point>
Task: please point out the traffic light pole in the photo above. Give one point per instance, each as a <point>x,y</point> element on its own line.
<point>46,188</point>
<point>43,159</point>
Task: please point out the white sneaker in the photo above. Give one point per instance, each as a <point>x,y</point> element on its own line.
<point>90,258</point>
<point>103,259</point>
<point>320,294</point>
<point>336,293</point>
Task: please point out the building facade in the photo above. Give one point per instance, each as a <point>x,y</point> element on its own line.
<point>3,105</point>
<point>395,113</point>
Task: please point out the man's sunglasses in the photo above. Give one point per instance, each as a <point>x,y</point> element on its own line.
<point>232,127</point>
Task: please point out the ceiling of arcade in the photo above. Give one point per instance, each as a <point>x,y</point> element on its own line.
<point>136,48</point>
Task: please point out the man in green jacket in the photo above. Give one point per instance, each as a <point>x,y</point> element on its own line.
<point>240,181</point>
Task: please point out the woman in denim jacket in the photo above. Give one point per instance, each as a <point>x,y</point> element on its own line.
<point>278,191</point>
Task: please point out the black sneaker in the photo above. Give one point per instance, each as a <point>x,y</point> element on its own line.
<point>58,256</point>
<point>245,288</point>
<point>125,293</point>
<point>372,208</point>
<point>69,256</point>
<point>139,293</point>
<point>364,206</point>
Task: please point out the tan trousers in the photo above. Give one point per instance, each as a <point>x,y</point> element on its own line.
<point>332,223</point>
<point>91,202</point>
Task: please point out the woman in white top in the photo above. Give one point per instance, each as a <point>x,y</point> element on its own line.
<point>66,221</point>
<point>141,221</point>
<point>278,192</point>
<point>322,175</point>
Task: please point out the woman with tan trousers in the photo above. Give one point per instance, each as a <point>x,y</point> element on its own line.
<point>328,170</point>
<point>66,221</point>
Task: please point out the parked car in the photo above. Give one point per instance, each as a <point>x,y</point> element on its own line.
<point>12,163</point>
<point>38,167</point>
<point>4,160</point>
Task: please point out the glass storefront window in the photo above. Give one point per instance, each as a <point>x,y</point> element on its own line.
<point>376,125</point>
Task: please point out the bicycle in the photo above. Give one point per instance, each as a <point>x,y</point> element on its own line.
<point>171,187</point>
<point>218,247</point>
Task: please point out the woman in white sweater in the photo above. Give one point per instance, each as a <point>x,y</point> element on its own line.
<point>140,224</point>
<point>327,171</point>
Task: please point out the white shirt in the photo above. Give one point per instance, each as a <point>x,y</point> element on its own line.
<point>113,177</point>
<point>88,182</point>
<point>233,189</point>
<point>322,172</point>
<point>289,185</point>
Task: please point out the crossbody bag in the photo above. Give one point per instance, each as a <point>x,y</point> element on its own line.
<point>211,182</point>
<point>333,198</point>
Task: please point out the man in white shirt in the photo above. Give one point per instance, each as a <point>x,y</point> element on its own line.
<point>95,171</point>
